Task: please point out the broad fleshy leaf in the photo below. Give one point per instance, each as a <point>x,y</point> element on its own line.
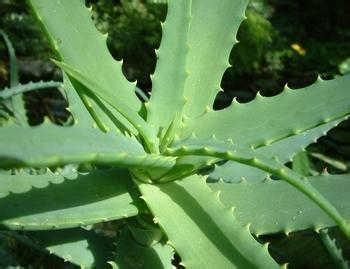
<point>50,201</point>
<point>170,74</point>
<point>189,74</point>
<point>50,145</point>
<point>252,124</point>
<point>283,150</point>
<point>274,206</point>
<point>197,223</point>
<point>91,57</point>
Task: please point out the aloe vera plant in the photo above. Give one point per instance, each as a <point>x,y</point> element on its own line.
<point>142,162</point>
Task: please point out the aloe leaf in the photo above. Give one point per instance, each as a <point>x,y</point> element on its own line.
<point>289,210</point>
<point>197,223</point>
<point>170,74</point>
<point>33,147</point>
<point>209,48</point>
<point>251,124</point>
<point>93,58</point>
<point>219,149</point>
<point>44,202</point>
<point>284,150</point>
<point>233,172</point>
<point>202,50</point>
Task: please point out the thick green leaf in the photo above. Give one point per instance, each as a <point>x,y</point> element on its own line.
<point>170,74</point>
<point>92,61</point>
<point>68,24</point>
<point>45,202</point>
<point>49,145</point>
<point>201,229</point>
<point>275,206</point>
<point>193,56</point>
<point>283,150</point>
<point>212,33</point>
<point>295,111</point>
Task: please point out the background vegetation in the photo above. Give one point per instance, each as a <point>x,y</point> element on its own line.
<point>281,41</point>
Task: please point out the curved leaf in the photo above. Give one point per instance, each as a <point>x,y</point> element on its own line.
<point>92,58</point>
<point>295,111</point>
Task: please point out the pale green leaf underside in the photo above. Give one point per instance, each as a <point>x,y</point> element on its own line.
<point>253,124</point>
<point>80,45</point>
<point>283,149</point>
<point>49,145</point>
<point>201,229</point>
<point>275,206</point>
<point>46,202</point>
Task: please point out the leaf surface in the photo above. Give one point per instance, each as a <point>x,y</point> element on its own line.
<point>197,223</point>
<point>83,248</point>
<point>198,36</point>
<point>229,151</point>
<point>170,74</point>
<point>49,201</point>
<point>50,145</point>
<point>295,111</point>
<point>275,206</point>
<point>68,24</point>
<point>284,150</point>
<point>212,33</point>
